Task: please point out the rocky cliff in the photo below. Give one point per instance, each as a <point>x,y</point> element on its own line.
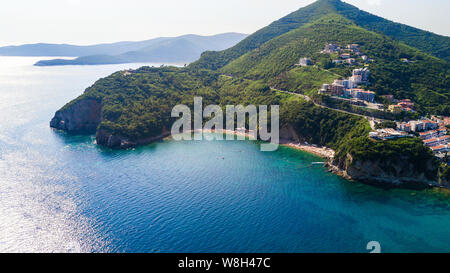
<point>110,140</point>
<point>83,115</point>
<point>288,133</point>
<point>397,173</point>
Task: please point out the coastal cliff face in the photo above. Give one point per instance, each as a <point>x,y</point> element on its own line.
<point>398,173</point>
<point>110,140</point>
<point>82,116</point>
<point>85,115</point>
<point>287,133</point>
<point>444,176</point>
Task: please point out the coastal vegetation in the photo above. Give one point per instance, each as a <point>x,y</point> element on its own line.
<point>410,153</point>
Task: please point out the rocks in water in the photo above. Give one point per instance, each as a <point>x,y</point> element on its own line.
<point>107,139</point>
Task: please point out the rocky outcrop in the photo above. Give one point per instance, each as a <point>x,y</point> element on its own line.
<point>287,133</point>
<point>107,139</point>
<point>83,115</point>
<point>444,176</point>
<point>387,174</point>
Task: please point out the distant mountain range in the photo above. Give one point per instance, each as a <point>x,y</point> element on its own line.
<point>181,49</point>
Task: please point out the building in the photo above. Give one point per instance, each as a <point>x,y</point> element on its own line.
<point>442,131</point>
<point>446,121</point>
<point>395,109</point>
<point>366,95</point>
<point>406,103</point>
<point>353,46</point>
<point>304,62</point>
<point>416,126</point>
<point>360,94</point>
<point>387,133</point>
<point>430,125</point>
<point>402,105</point>
<point>351,61</point>
<point>429,134</point>
<point>325,89</point>
<point>357,79</point>
<point>345,55</point>
<point>405,60</point>
<point>374,135</point>
<point>444,140</point>
<point>438,144</point>
<point>325,86</point>
<point>334,89</point>
<point>363,72</point>
<point>431,142</point>
<point>405,127</point>
<point>441,148</point>
<point>337,90</point>
<point>349,84</point>
<point>331,48</point>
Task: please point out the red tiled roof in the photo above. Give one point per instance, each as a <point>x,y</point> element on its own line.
<point>430,140</point>
<point>438,147</point>
<point>427,133</point>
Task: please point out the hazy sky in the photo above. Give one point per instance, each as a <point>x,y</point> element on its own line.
<point>97,21</point>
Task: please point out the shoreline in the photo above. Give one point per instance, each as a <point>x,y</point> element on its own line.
<point>323,152</point>
<point>223,131</point>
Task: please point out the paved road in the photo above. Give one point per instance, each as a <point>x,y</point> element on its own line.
<point>323,106</point>
<point>289,92</point>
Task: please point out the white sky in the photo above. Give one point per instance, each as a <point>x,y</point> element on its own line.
<point>98,21</point>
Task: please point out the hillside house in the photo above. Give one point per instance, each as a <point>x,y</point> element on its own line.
<point>304,62</point>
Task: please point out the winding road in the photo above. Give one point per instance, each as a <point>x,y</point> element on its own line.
<point>307,98</point>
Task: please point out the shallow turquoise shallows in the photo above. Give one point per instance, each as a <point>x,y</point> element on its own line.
<point>63,193</point>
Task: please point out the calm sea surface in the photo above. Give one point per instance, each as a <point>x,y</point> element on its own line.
<point>62,193</point>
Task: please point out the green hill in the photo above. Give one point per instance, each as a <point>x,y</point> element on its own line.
<point>428,42</point>
<point>425,80</point>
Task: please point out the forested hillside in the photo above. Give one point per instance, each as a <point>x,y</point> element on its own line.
<point>425,79</point>
<point>428,42</point>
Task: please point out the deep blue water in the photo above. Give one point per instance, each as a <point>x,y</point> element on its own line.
<point>61,192</point>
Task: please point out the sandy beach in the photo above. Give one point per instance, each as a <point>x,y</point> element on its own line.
<point>243,133</point>
<point>323,152</point>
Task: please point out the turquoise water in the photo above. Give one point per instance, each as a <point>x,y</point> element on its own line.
<point>61,192</point>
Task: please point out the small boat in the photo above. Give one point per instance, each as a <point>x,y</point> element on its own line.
<point>318,163</point>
